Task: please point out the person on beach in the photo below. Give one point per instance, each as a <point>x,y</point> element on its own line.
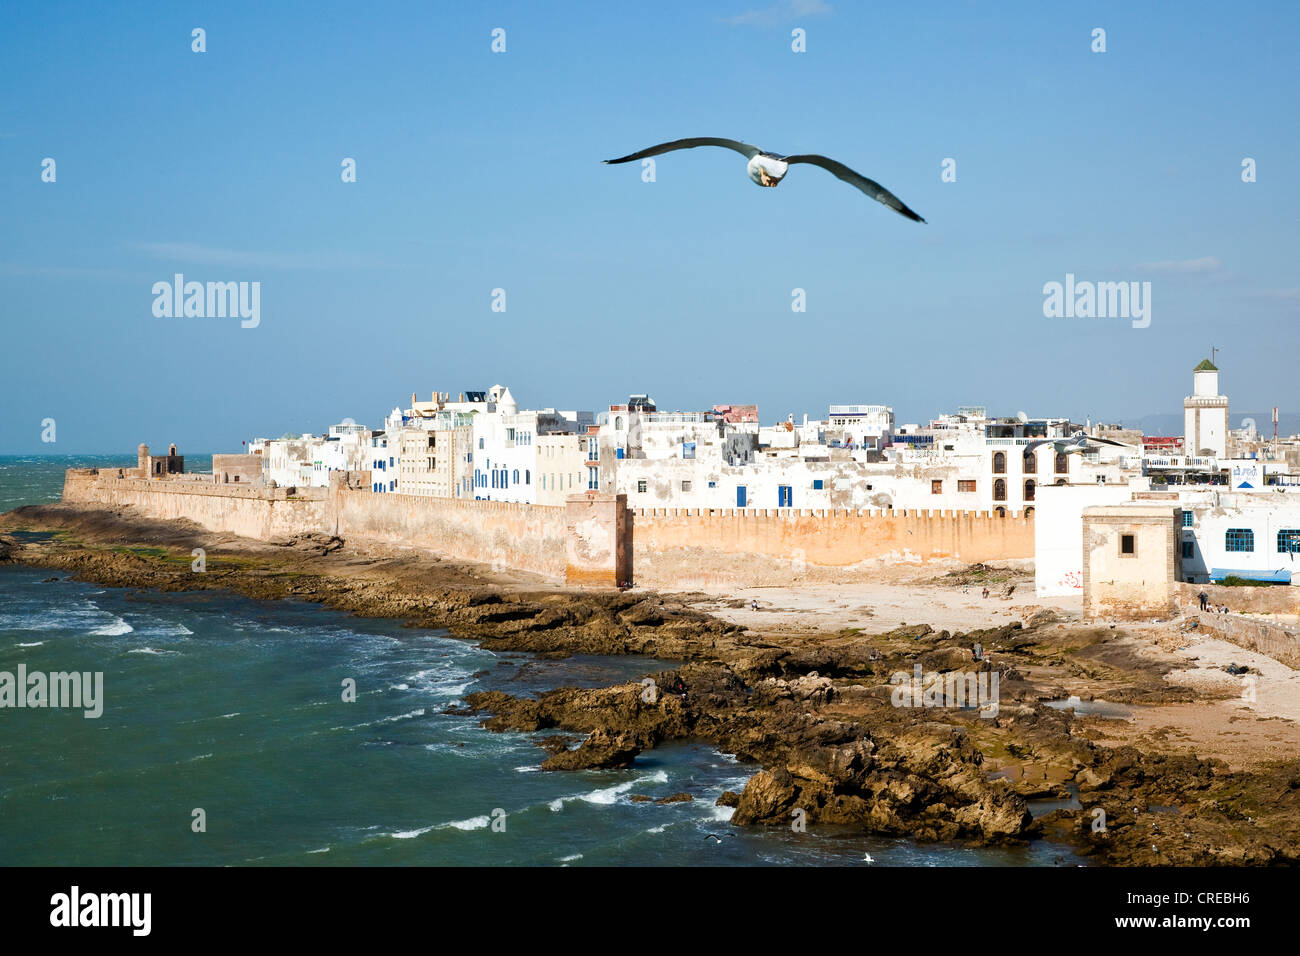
<point>1205,600</point>
<point>986,592</point>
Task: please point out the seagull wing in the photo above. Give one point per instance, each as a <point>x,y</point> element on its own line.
<point>1035,444</point>
<point>745,149</point>
<point>1101,441</point>
<point>868,186</point>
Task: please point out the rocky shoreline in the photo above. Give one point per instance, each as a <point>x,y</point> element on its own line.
<point>818,712</point>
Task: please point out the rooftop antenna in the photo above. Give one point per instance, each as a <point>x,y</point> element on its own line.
<point>1214,350</point>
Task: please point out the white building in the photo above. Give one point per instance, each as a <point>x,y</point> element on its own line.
<point>561,467</point>
<point>510,457</point>
<point>1058,531</point>
<point>1240,534</point>
<point>305,461</point>
<point>384,462</point>
<point>434,441</point>
<point>1205,414</point>
<point>867,425</point>
<point>696,460</point>
<point>1223,534</point>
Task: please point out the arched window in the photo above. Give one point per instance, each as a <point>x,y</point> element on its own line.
<point>618,423</point>
<point>1000,489</point>
<point>516,478</point>
<point>528,477</point>
<point>1029,512</point>
<point>999,463</point>
<point>1000,512</point>
<point>1030,487</point>
<point>1031,463</point>
<point>1062,463</point>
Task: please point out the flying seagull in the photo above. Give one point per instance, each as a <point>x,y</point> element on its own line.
<point>1076,443</point>
<point>768,169</point>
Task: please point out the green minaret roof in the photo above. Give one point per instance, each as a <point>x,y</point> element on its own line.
<point>1206,366</point>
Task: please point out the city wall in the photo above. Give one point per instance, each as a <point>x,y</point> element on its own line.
<point>266,514</point>
<point>1280,643</point>
<point>594,540</point>
<point>504,535</point>
<point>695,547</point>
<point>1273,599</point>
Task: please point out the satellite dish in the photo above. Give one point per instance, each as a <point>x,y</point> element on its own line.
<point>1022,416</point>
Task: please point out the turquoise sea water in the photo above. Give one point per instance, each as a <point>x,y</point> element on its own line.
<point>233,706</point>
<point>38,479</point>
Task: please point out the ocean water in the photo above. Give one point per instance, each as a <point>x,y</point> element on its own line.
<point>216,702</point>
<point>38,479</point>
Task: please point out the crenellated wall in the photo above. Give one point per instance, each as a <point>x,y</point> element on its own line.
<point>694,547</point>
<point>594,540</point>
<point>265,514</point>
<point>504,535</point>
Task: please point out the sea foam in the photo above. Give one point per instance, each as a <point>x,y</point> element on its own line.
<point>609,795</point>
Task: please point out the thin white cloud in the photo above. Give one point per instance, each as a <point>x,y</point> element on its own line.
<point>24,270</point>
<point>189,252</point>
<point>780,12</point>
<point>1206,265</point>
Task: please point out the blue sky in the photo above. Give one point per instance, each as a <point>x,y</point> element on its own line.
<point>478,171</point>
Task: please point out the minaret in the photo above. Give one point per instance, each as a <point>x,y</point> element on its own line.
<point>142,460</point>
<point>1205,414</point>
